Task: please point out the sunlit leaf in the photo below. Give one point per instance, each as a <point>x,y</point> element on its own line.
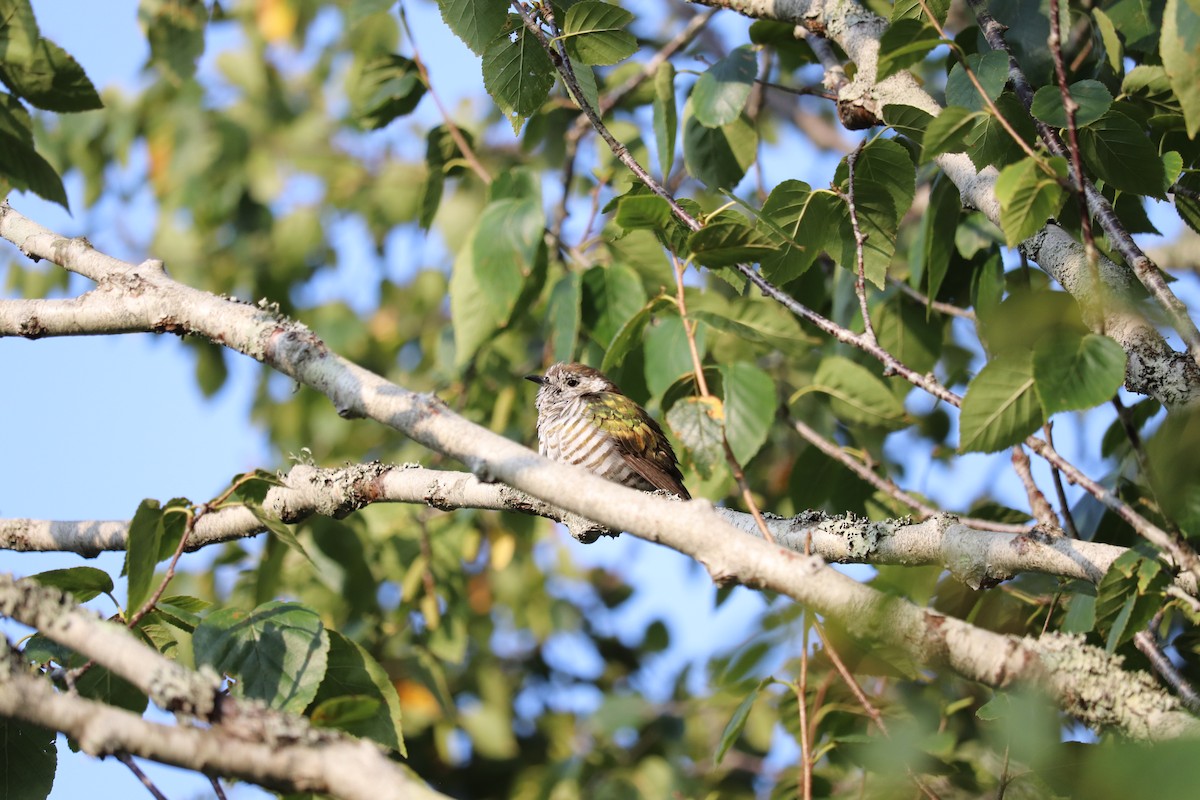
<point>722,90</point>
<point>750,405</point>
<point>1000,407</point>
<point>278,652</point>
<point>595,33</point>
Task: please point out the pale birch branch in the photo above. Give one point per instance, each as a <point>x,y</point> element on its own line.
<point>978,558</point>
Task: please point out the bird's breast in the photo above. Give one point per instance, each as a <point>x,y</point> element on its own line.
<point>571,436</point>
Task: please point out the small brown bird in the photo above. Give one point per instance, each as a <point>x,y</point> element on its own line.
<point>584,419</point>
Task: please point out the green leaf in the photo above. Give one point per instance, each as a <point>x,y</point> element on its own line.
<point>562,315</point>
<point>1028,197</point>
<point>25,169</point>
<point>1174,453</point>
<point>476,23</point>
<point>1073,373</point>
<point>517,73</point>
<point>595,33</point>
<point>886,164</point>
<point>877,220</point>
<point>857,396</point>
<point>352,674</point>
<point>1128,597</point>
<point>936,242</point>
<point>611,295</point>
<point>19,34</point>
<point>175,31</point>
<point>83,583</point>
<point>28,760</point>
<point>1188,208</point>
<point>750,404</point>
<point>1093,98</point>
<point>49,79</point>
<point>1139,22</point>
<point>698,425</point>
<point>1113,50</point>
<point>643,212</point>
<point>104,685</point>
<point>509,249</point>
<point>471,312</point>
<point>990,144</point>
<point>906,331</point>
<point>1118,151</point>
<point>718,156</point>
<point>666,116</point>
<point>908,120</point>
<point>722,90</point>
<point>141,557</point>
<point>585,76</point>
<point>1081,614</point>
<point>726,239</point>
<point>990,68</point>
<point>280,530</point>
<point>344,712</point>
<point>383,89</point>
<point>904,43</point>
<point>915,9</point>
<point>758,324</point>
<point>948,132</point>
<point>359,10</point>
<point>278,652</point>
<point>733,728</point>
<point>1000,408</point>
<point>795,219</point>
<point>630,334</point>
<point>668,355</point>
<point>1180,49</point>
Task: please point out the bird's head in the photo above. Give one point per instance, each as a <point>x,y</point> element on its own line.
<point>564,382</point>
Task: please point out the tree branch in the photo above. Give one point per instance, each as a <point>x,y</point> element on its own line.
<point>979,558</point>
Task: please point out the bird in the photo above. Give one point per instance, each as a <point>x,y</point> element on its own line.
<point>584,419</point>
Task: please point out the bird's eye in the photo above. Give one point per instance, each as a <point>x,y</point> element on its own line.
<point>572,382</point>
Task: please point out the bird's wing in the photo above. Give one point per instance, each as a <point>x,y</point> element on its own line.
<point>640,441</point>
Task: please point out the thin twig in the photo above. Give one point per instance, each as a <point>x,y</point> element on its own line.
<point>1043,512</point>
<point>1077,183</point>
<point>582,123</point>
<point>936,305</point>
<point>806,736</point>
<point>860,239</point>
<point>562,62</point>
<point>1067,517</point>
<point>1148,644</point>
<point>1125,415</point>
<point>835,73</point>
<point>889,487</point>
<point>217,788</point>
<point>128,761</point>
<point>455,132</point>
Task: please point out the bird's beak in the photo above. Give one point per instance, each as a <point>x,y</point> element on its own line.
<point>538,379</point>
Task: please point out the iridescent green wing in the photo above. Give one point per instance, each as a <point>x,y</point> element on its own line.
<point>639,440</point>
